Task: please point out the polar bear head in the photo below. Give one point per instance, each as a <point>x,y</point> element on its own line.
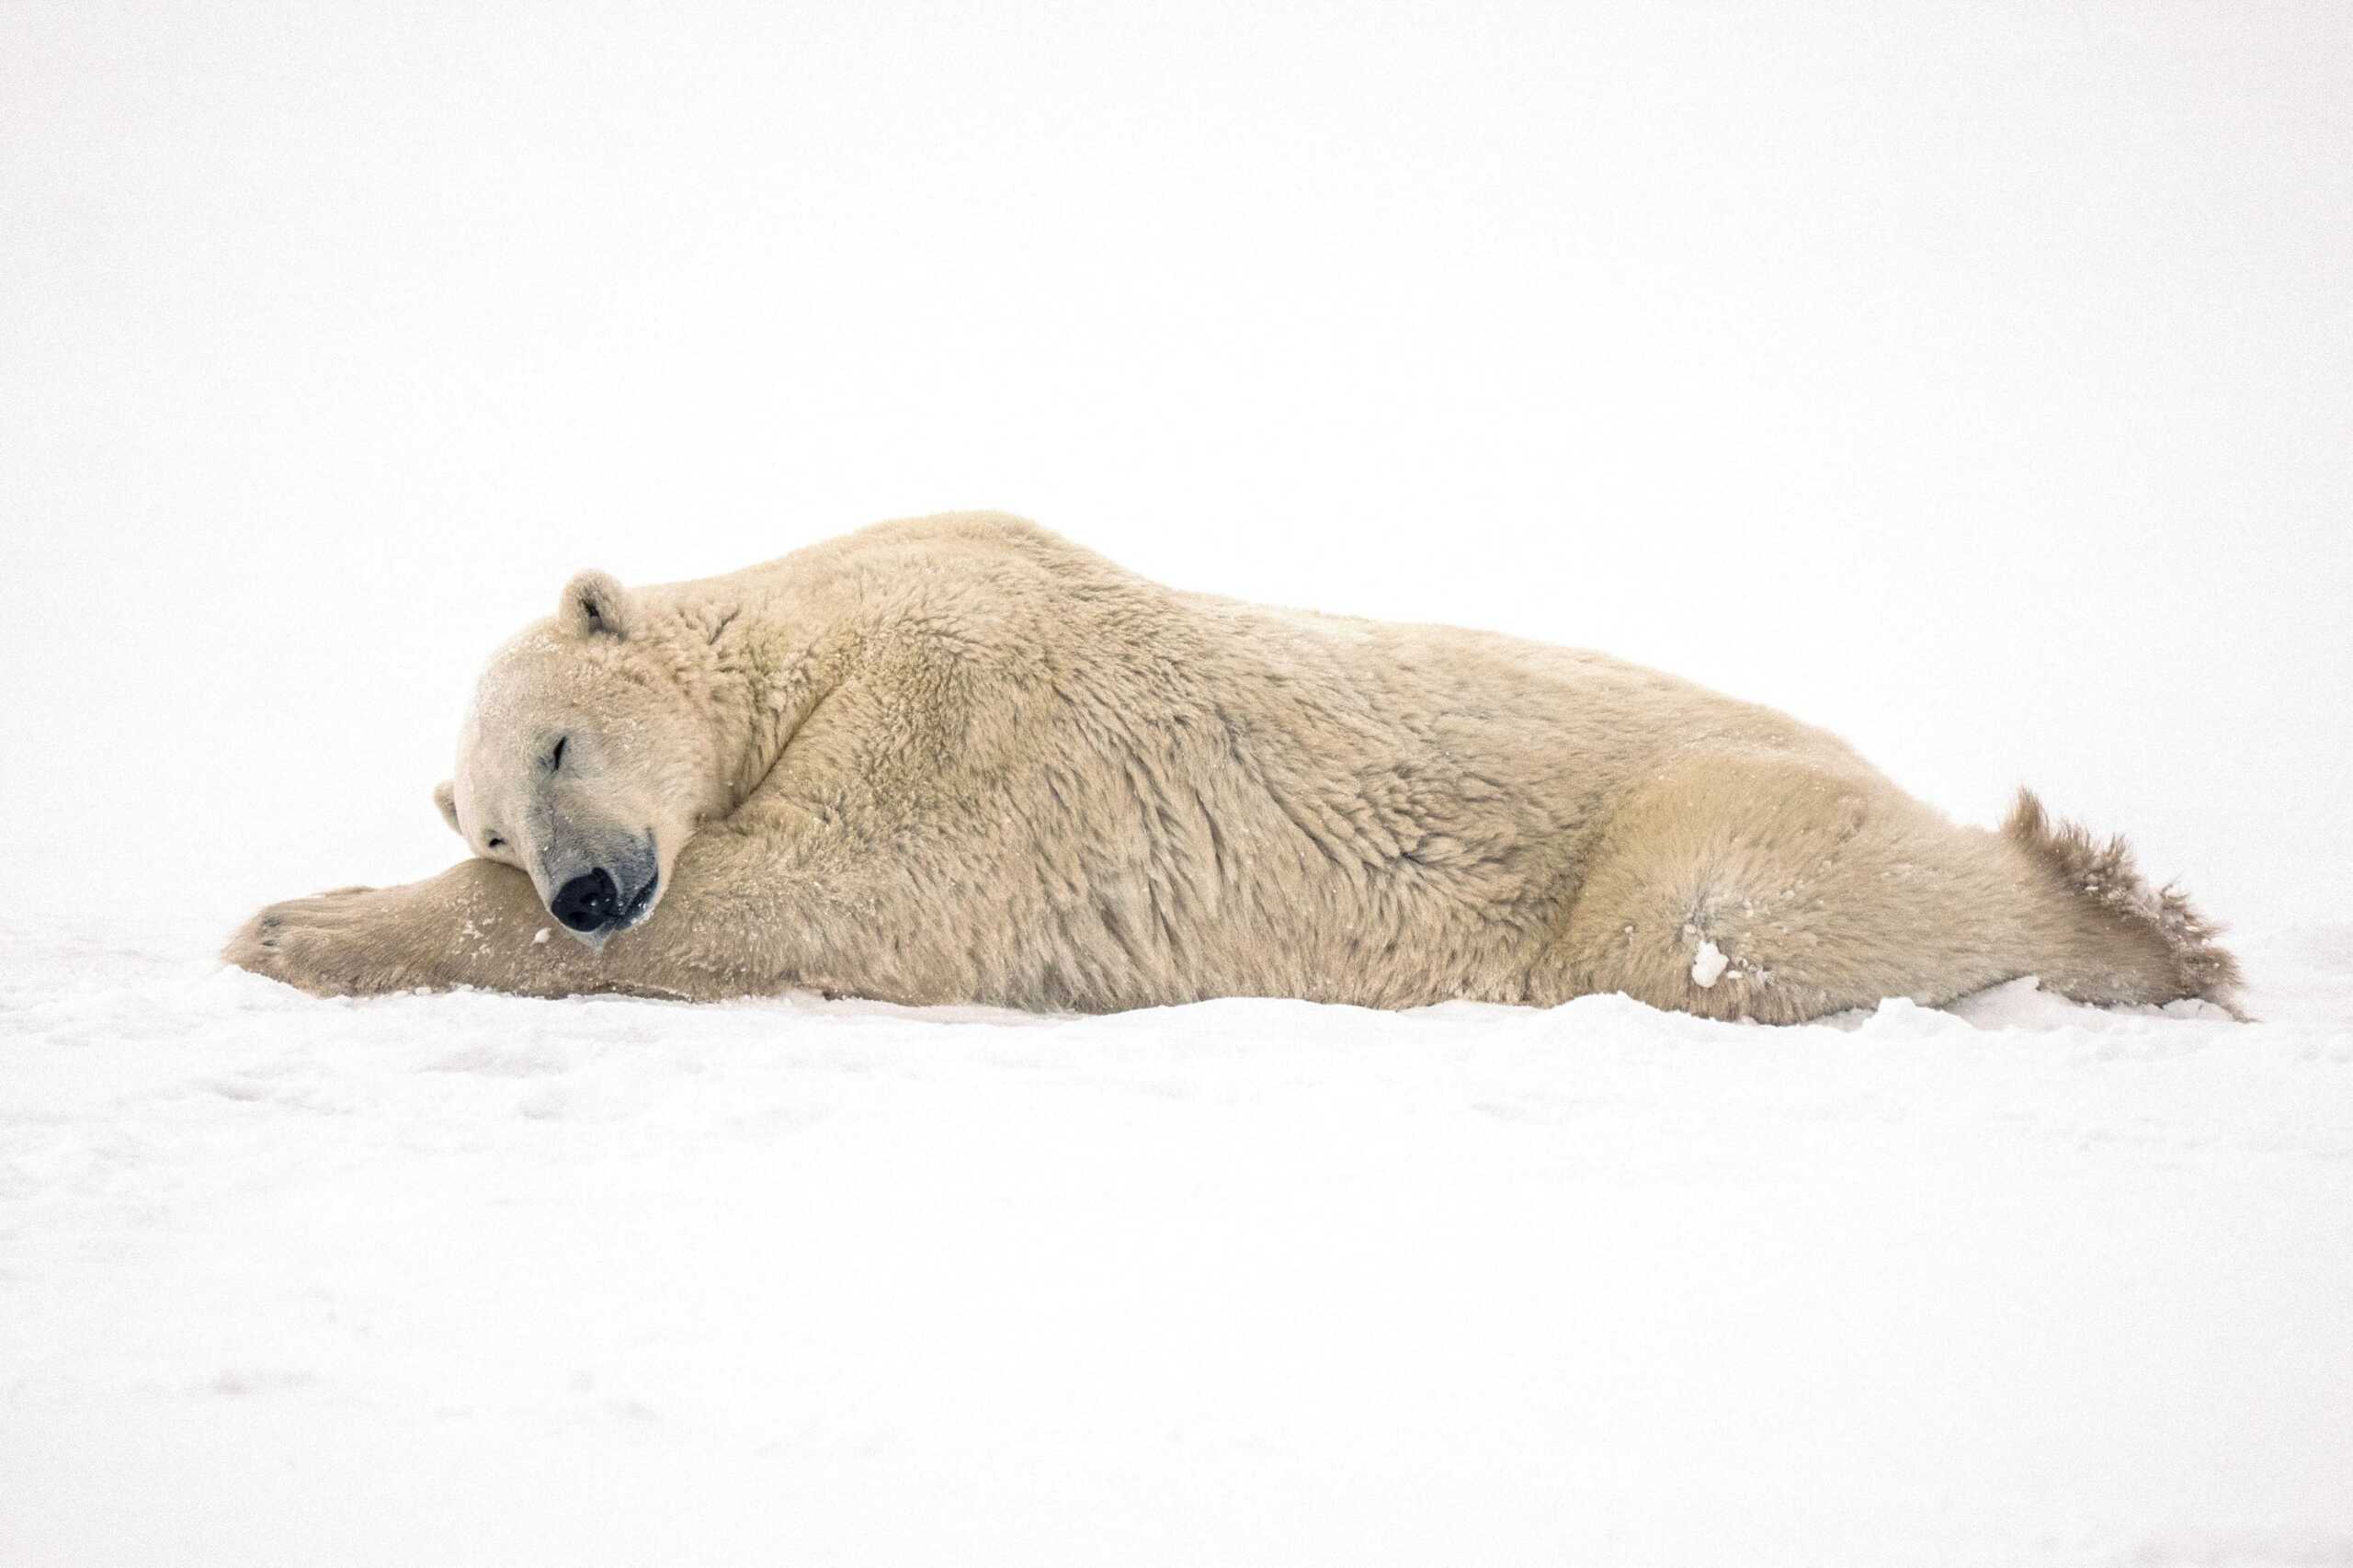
<point>584,762</point>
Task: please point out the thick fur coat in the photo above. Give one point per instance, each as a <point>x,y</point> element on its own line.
<point>960,759</point>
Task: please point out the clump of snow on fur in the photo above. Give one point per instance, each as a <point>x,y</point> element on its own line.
<point>1708,965</point>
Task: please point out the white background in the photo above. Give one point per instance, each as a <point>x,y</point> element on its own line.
<point>1975,380</point>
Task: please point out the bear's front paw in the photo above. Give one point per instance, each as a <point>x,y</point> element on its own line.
<point>349,942</point>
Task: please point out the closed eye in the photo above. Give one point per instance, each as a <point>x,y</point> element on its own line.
<point>494,844</point>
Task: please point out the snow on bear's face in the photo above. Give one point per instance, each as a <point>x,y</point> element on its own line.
<point>582,763</point>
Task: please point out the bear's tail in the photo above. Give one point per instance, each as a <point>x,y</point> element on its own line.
<point>2118,913</point>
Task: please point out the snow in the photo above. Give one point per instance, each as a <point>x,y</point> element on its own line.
<point>473,1278</point>
<point>1708,964</point>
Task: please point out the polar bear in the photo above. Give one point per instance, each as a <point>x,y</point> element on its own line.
<point>961,759</point>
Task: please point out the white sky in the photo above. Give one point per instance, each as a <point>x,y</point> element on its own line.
<point>1975,380</point>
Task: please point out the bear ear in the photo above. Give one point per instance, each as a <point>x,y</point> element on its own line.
<point>596,605</point>
<point>445,795</point>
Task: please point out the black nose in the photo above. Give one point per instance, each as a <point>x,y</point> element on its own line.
<point>587,902</point>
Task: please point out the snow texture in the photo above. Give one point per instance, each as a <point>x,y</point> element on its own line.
<point>470,1279</point>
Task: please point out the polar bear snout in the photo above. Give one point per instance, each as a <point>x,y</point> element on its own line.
<point>597,885</point>
<point>587,903</point>
<point>594,905</point>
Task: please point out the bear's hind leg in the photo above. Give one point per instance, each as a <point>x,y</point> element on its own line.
<point>1781,889</point>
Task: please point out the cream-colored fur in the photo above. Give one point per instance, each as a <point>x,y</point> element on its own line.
<point>960,759</point>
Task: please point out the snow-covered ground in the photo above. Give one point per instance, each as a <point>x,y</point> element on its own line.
<point>475,1279</point>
